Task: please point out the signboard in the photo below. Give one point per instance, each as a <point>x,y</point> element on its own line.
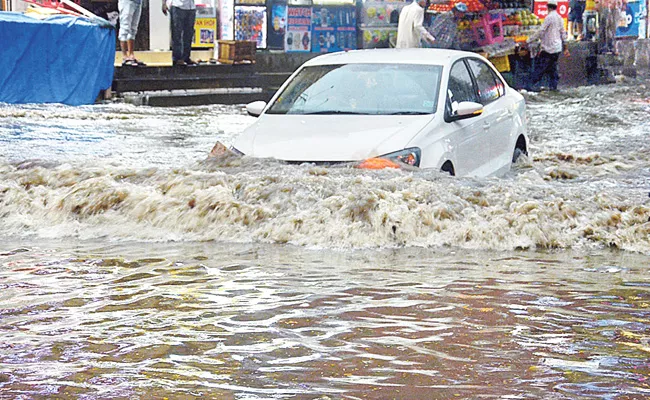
<point>277,26</point>
<point>250,2</point>
<point>333,29</point>
<point>205,32</point>
<point>541,10</point>
<point>227,20</point>
<point>250,25</point>
<point>298,37</point>
<point>632,20</point>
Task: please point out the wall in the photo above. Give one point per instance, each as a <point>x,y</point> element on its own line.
<point>159,34</point>
<point>18,5</point>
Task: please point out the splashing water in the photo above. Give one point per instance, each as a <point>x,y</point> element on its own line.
<point>140,174</point>
<point>132,267</point>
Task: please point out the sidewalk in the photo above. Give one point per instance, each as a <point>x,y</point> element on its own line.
<point>159,83</point>
<point>163,58</point>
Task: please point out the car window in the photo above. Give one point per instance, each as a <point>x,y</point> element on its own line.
<point>371,89</point>
<point>500,86</point>
<point>490,86</point>
<point>461,87</point>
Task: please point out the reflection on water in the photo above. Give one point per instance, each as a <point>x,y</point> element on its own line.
<point>130,267</point>
<point>219,321</point>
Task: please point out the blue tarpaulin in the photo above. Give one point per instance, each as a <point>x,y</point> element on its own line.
<point>62,59</point>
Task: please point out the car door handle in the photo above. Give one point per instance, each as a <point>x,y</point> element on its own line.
<point>486,125</point>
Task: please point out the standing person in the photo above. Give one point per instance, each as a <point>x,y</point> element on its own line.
<point>576,9</point>
<point>445,28</point>
<point>409,26</point>
<point>129,11</point>
<point>608,16</point>
<point>553,42</point>
<point>183,14</point>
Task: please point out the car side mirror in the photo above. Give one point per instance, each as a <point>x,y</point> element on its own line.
<point>255,108</point>
<point>464,110</point>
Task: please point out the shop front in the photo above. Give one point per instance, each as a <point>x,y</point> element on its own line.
<point>291,26</point>
<point>378,22</point>
<point>495,28</point>
<point>632,20</point>
<point>333,26</point>
<point>205,24</point>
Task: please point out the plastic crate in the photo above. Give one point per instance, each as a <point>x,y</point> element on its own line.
<point>502,64</point>
<point>236,51</point>
<point>488,29</point>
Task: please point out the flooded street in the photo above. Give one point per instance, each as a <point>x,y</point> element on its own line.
<point>133,268</point>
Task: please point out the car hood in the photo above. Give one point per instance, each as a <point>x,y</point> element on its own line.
<point>329,137</point>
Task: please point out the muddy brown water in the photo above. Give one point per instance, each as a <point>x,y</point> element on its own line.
<point>130,268</point>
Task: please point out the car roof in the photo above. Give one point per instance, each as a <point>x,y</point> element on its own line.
<point>392,56</point>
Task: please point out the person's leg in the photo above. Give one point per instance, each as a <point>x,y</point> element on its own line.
<point>579,29</point>
<point>611,29</point>
<point>125,10</point>
<point>579,18</point>
<point>553,73</point>
<point>134,26</point>
<point>188,34</point>
<point>125,51</point>
<point>177,31</point>
<point>602,28</point>
<point>130,45</point>
<point>541,65</point>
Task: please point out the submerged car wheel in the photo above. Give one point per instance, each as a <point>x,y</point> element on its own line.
<point>448,167</point>
<point>520,148</point>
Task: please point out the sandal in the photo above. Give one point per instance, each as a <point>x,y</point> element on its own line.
<point>140,63</point>
<point>129,63</point>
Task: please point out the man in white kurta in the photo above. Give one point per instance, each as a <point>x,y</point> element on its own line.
<point>409,28</point>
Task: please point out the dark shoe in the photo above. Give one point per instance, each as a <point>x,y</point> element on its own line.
<point>190,63</point>
<point>129,63</point>
<point>180,63</point>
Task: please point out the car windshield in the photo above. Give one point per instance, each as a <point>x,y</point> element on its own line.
<point>371,89</point>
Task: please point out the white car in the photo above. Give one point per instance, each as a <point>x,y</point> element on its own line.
<point>428,108</point>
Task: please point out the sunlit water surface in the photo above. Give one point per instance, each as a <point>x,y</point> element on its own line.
<point>131,267</point>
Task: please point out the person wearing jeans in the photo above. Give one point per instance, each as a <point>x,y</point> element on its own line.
<point>553,42</point>
<point>183,14</point>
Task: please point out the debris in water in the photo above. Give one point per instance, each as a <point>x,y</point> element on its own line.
<point>220,150</point>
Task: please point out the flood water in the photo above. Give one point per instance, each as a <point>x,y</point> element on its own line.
<point>132,268</point>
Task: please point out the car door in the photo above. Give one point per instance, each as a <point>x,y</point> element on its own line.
<point>470,135</point>
<point>498,114</point>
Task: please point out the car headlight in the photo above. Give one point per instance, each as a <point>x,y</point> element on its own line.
<point>410,156</point>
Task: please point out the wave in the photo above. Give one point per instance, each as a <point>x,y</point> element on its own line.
<point>244,200</point>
